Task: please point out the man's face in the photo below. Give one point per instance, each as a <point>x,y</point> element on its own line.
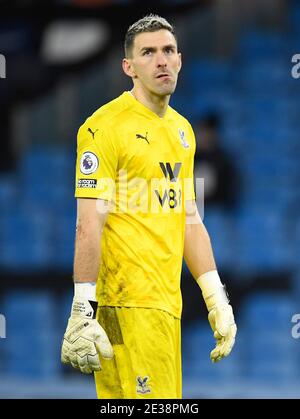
<point>155,61</point>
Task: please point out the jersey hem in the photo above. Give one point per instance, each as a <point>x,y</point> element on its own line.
<point>135,305</point>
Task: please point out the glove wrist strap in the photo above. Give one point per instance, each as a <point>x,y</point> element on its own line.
<point>213,291</point>
<point>85,290</point>
<point>84,308</point>
<point>85,302</point>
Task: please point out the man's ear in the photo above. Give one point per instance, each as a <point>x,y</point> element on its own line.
<point>179,61</point>
<point>127,68</point>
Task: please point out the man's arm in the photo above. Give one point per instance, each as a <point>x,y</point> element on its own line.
<point>84,338</point>
<point>198,252</point>
<point>91,218</point>
<point>199,258</point>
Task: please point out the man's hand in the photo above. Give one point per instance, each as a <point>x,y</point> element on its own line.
<point>220,314</point>
<point>84,338</point>
<point>223,325</point>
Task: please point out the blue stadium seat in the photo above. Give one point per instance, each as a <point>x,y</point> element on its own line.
<point>271,356</point>
<point>32,249</point>
<point>269,312</point>
<point>260,44</point>
<point>64,239</point>
<point>8,193</point>
<point>260,240</point>
<point>33,344</point>
<point>197,343</point>
<point>209,72</point>
<point>64,306</point>
<point>221,228</point>
<point>49,175</point>
<point>26,306</point>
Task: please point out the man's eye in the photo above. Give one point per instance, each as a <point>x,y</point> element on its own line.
<point>169,50</point>
<point>148,52</point>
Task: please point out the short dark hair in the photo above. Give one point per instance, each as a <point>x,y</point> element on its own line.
<point>149,23</point>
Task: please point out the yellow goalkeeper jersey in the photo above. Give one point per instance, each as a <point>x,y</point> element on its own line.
<point>143,165</point>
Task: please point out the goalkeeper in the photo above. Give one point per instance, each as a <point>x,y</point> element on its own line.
<point>125,318</point>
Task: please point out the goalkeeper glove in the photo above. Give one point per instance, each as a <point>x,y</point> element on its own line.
<point>84,338</point>
<point>220,314</point>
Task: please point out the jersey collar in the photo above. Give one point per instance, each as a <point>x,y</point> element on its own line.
<point>143,109</point>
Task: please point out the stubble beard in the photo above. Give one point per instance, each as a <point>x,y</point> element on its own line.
<point>167,90</point>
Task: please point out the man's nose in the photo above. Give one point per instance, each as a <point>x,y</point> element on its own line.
<point>161,60</point>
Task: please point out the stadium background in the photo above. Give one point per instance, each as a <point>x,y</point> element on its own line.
<point>62,63</point>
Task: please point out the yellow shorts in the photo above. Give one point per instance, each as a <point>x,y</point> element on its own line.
<point>147,360</point>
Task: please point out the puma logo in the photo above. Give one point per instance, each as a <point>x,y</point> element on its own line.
<point>93,133</point>
<point>142,137</point>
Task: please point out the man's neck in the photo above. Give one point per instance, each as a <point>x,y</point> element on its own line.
<point>157,104</point>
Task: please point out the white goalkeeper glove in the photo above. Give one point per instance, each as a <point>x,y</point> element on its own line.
<point>220,314</point>
<point>84,338</point>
